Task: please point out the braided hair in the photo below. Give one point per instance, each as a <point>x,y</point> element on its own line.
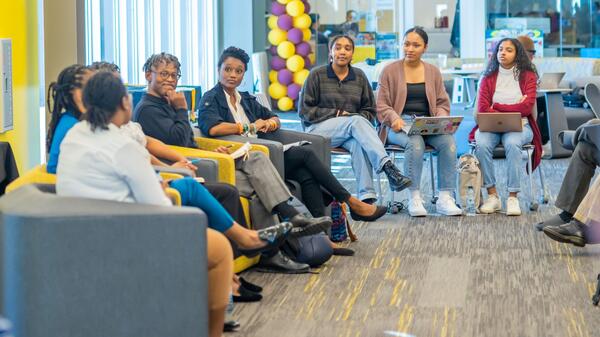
<point>102,96</point>
<point>60,96</point>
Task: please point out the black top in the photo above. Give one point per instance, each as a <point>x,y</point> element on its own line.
<point>416,100</point>
<point>161,121</point>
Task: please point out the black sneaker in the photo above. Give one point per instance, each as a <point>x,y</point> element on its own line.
<point>397,180</point>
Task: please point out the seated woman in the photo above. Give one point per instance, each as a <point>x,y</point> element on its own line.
<point>411,87</point>
<point>192,193</point>
<point>226,111</point>
<point>508,85</point>
<point>99,161</point>
<point>337,102</point>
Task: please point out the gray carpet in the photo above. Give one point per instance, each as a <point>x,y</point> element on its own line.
<point>438,276</point>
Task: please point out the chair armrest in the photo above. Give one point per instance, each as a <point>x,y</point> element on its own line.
<point>37,175</point>
<point>210,144</point>
<point>275,149</point>
<point>207,169</point>
<point>225,162</point>
<point>173,170</point>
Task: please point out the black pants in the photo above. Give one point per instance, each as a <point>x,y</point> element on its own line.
<point>229,197</point>
<point>303,166</point>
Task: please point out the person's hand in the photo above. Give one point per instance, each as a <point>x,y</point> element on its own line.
<point>176,100</point>
<point>185,164</point>
<point>345,113</point>
<point>164,184</point>
<point>398,124</point>
<point>261,125</point>
<point>222,149</point>
<point>523,99</point>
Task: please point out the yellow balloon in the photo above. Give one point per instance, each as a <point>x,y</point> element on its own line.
<point>302,21</point>
<point>295,63</point>
<point>283,1</point>
<point>272,21</point>
<point>312,58</point>
<point>277,90</point>
<point>295,8</point>
<point>300,76</point>
<point>286,49</point>
<point>273,76</point>
<point>276,36</point>
<point>306,34</point>
<point>285,103</point>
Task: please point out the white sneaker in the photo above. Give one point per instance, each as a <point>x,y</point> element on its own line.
<point>447,206</point>
<point>512,206</point>
<point>416,208</point>
<point>492,204</point>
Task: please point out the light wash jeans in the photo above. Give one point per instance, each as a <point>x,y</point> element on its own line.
<point>513,144</point>
<point>414,150</point>
<point>357,135</point>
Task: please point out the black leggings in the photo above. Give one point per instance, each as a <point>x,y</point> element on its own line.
<point>303,166</point>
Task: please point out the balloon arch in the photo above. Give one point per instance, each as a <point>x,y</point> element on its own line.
<point>291,54</point>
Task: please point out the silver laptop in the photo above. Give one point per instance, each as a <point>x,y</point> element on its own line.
<point>500,122</point>
<point>440,125</point>
<point>551,80</point>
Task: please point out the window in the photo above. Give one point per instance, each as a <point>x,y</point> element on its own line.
<point>127,32</point>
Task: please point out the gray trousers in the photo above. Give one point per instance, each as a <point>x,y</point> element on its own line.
<point>258,180</point>
<point>579,175</point>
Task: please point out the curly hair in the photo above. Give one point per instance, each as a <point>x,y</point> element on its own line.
<point>105,66</point>
<point>234,52</point>
<point>102,96</point>
<point>163,57</point>
<point>522,61</point>
<point>60,97</point>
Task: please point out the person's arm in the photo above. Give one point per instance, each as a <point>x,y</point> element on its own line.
<point>529,97</point>
<point>271,121</point>
<point>442,99</point>
<point>157,123</point>
<point>367,100</point>
<point>385,111</point>
<point>132,163</point>
<point>485,95</point>
<point>161,150</point>
<point>309,109</point>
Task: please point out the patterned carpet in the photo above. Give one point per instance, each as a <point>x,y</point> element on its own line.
<point>438,276</point>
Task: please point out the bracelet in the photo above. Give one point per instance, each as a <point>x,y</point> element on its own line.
<point>246,128</point>
<point>274,123</point>
<point>240,128</point>
<point>252,128</point>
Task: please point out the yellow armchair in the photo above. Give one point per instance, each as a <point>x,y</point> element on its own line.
<point>37,175</point>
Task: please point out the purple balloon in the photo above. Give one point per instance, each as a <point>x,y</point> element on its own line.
<point>306,6</point>
<point>295,35</point>
<point>277,63</point>
<point>277,8</point>
<point>285,77</point>
<point>303,49</point>
<point>293,91</point>
<point>307,64</point>
<point>273,50</point>
<point>285,22</point>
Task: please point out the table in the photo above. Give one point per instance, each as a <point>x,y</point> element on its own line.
<point>556,119</point>
<point>464,85</point>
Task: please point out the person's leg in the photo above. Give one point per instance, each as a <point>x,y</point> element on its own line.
<point>445,147</point>
<point>513,147</point>
<point>414,150</point>
<point>220,273</point>
<point>577,179</point>
<point>484,150</point>
<point>229,197</point>
<point>361,166</point>
<point>312,196</point>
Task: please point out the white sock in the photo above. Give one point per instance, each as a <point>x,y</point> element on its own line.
<point>414,194</point>
<point>444,195</point>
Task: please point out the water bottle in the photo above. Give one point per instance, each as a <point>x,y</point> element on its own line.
<point>471,201</point>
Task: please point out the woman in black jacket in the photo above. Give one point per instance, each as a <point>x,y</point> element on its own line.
<point>226,111</point>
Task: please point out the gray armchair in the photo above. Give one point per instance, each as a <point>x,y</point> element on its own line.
<point>76,267</point>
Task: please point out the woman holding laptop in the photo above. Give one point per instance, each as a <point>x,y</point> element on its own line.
<point>410,87</point>
<point>508,85</point>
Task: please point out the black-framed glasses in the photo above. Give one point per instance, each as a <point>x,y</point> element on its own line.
<point>165,75</point>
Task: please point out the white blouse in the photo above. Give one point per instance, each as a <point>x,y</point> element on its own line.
<point>107,164</point>
<point>237,111</point>
<point>507,90</point>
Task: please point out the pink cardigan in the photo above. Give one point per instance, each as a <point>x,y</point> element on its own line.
<point>391,95</point>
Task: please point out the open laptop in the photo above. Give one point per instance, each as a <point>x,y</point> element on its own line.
<point>500,122</point>
<point>439,125</point>
<point>551,80</point>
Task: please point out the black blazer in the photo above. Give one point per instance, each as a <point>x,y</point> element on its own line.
<point>213,109</point>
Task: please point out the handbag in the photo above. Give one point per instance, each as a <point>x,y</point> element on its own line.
<point>340,228</point>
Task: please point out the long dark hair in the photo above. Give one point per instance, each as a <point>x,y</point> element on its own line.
<point>102,96</point>
<point>522,61</point>
<point>60,98</point>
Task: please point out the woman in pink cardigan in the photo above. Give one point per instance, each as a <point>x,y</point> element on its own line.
<point>508,85</point>
<point>410,87</point>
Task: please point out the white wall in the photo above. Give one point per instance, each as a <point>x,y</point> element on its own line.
<point>425,12</point>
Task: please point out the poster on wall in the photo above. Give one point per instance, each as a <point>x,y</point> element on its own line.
<point>386,46</point>
<point>493,36</point>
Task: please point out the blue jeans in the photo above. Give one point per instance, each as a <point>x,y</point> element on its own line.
<point>513,145</point>
<point>414,150</point>
<point>194,194</point>
<point>357,135</point>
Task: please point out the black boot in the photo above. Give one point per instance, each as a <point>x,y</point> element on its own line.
<point>567,233</point>
<point>397,181</point>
